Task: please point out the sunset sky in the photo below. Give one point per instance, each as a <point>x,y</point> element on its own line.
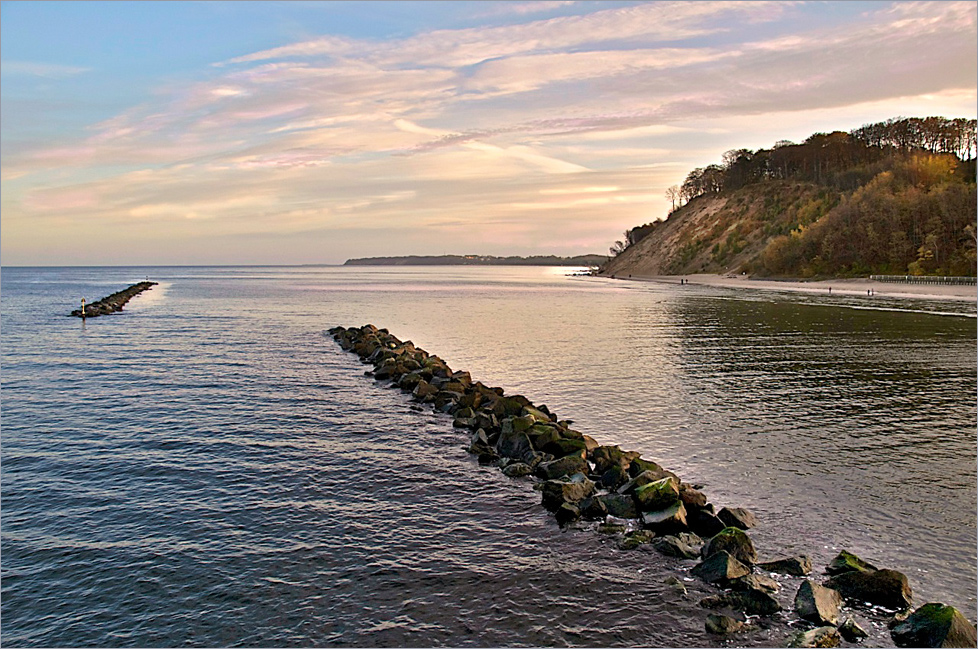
<point>305,132</point>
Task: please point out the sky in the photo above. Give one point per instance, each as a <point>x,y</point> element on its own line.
<point>156,133</point>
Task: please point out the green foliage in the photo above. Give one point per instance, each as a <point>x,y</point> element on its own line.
<point>915,218</point>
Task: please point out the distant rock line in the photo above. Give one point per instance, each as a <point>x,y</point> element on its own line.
<point>479,260</point>
<point>581,479</point>
<point>112,303</point>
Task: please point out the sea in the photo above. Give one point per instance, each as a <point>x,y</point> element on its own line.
<point>208,468</point>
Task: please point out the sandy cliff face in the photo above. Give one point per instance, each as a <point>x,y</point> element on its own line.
<point>722,233</point>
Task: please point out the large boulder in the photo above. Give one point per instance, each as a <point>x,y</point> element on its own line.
<point>935,625</point>
<point>734,541</point>
<point>614,477</point>
<point>704,523</point>
<point>593,509</point>
<point>480,443</point>
<point>567,513</point>
<point>642,479</point>
<point>818,604</point>
<point>572,490</point>
<point>887,588</point>
<point>535,413</point>
<point>737,517</point>
<point>719,568</point>
<point>619,506</point>
<point>542,435</point>
<point>846,561</point>
<point>568,465</point>
<point>692,498</point>
<point>798,566</point>
<point>513,445</point>
<point>657,495</point>
<point>666,521</point>
<point>605,457</point>
<point>639,466</point>
<point>562,447</point>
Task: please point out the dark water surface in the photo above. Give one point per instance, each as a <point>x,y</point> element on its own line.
<point>209,469</point>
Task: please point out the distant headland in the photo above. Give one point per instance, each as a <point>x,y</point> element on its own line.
<point>479,260</point>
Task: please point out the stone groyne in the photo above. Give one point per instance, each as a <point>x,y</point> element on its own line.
<point>636,498</point>
<point>112,303</point>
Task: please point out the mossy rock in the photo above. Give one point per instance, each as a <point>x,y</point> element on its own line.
<point>734,541</point>
<point>846,561</point>
<point>657,495</point>
<point>935,625</point>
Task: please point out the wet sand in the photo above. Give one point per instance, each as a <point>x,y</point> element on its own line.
<point>838,286</point>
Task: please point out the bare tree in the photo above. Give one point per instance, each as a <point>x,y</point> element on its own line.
<point>673,194</point>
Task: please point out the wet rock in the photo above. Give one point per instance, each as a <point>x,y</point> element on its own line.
<point>658,495</point>
<point>558,492</point>
<point>887,588</point>
<point>424,390</point>
<point>567,513</point>
<point>676,584</point>
<point>614,477</point>
<point>605,457</point>
<point>642,479</point>
<point>485,420</point>
<point>634,539</point>
<point>825,636</point>
<point>852,632</point>
<point>590,443</point>
<point>734,541</point>
<point>737,517</point>
<point>563,447</point>
<point>464,422</point>
<point>817,603</point>
<point>535,413</point>
<point>935,625</point>
<point>666,521</point>
<point>719,568</point>
<point>593,509</point>
<point>751,602</point>
<point>568,465</point>
<point>480,443</point>
<point>611,528</point>
<point>514,445</point>
<point>798,566</point>
<point>638,466</point>
<point>471,399</point>
<point>673,546</point>
<point>619,505</point>
<point>692,498</point>
<point>704,523</point>
<point>409,381</point>
<point>846,561</point>
<point>541,435</point>
<point>755,582</point>
<point>723,624</point>
<point>517,470</point>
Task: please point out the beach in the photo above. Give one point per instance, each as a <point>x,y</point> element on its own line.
<point>859,286</point>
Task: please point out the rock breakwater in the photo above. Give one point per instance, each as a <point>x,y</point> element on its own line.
<point>580,479</point>
<point>112,303</point>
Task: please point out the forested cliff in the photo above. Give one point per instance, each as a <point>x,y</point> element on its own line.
<point>896,197</point>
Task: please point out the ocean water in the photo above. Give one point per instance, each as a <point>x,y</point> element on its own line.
<point>208,468</point>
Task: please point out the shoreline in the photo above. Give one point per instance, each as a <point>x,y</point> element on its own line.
<point>847,287</point>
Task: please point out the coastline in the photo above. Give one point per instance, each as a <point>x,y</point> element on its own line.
<point>849,287</point>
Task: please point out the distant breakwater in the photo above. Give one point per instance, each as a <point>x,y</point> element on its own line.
<point>643,503</point>
<point>112,303</point>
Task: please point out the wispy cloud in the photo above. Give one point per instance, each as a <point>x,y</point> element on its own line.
<point>43,70</point>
